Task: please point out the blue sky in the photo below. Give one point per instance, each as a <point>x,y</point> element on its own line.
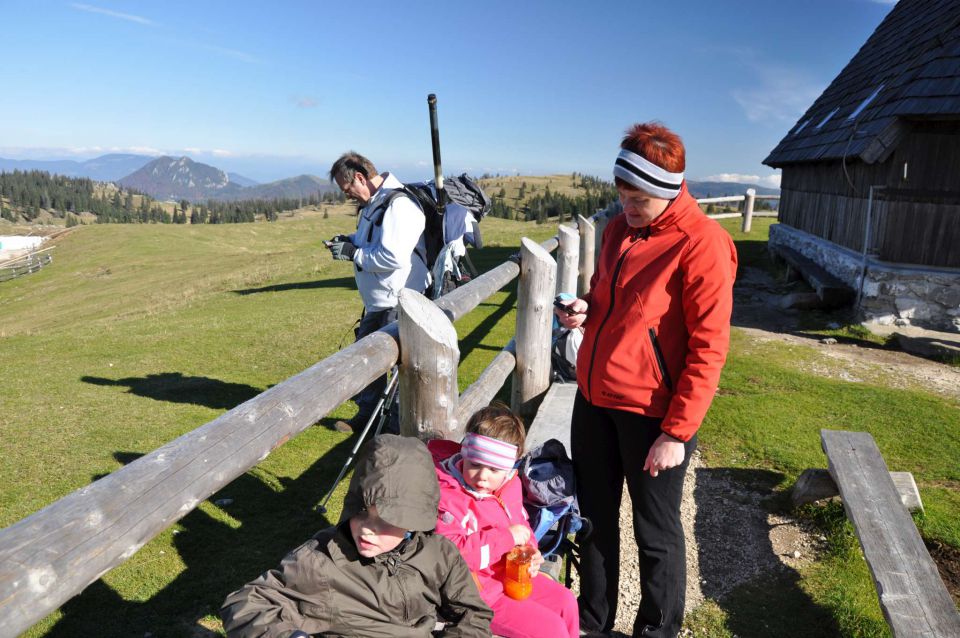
<point>275,89</point>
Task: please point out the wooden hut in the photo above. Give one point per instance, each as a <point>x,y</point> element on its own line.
<point>870,187</point>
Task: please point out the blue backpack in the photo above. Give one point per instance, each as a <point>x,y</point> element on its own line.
<point>550,495</point>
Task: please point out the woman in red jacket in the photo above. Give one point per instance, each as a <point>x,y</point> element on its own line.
<point>656,332</point>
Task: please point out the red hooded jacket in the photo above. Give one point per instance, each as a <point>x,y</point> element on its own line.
<point>658,326</point>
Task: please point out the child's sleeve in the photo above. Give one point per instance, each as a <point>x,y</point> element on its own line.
<point>268,606</point>
<point>480,546</point>
<point>461,606</point>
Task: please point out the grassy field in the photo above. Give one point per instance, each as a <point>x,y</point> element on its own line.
<point>137,334</point>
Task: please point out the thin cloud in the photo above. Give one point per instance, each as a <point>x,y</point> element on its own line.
<point>771,181</point>
<point>217,152</point>
<point>305,102</point>
<point>231,53</point>
<point>114,14</point>
<point>778,94</point>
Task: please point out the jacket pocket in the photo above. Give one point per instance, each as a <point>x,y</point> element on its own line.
<point>661,361</point>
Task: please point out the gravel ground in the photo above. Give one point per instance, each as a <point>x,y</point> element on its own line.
<point>731,539</point>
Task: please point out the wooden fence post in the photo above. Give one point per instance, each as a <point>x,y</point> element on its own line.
<point>568,258</point>
<point>748,210</point>
<point>531,379</point>
<point>428,368</point>
<point>587,247</point>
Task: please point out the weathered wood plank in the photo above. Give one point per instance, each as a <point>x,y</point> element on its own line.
<point>531,378</point>
<point>817,484</point>
<point>568,260</point>
<point>553,417</point>
<point>587,251</point>
<point>914,600</point>
<point>428,368</point>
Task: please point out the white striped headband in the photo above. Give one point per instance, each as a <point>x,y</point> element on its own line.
<point>486,450</point>
<point>640,172</point>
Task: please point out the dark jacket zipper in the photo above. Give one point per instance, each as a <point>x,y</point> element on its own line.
<point>661,362</point>
<point>613,291</point>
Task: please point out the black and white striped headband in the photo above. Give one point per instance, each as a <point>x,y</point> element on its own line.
<point>640,172</point>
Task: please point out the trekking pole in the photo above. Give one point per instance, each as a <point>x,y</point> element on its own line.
<point>435,140</point>
<point>387,393</point>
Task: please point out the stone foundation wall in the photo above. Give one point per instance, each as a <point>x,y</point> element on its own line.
<point>892,293</point>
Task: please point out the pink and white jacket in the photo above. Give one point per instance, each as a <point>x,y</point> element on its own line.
<point>478,524</point>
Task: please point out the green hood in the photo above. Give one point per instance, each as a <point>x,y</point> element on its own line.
<point>396,475</point>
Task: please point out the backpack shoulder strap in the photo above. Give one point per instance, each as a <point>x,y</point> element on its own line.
<point>381,211</point>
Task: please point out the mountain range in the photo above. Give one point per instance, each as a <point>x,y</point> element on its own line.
<point>106,168</point>
<point>182,178</point>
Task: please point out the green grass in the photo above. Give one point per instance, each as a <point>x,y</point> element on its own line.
<point>767,415</point>
<point>135,335</point>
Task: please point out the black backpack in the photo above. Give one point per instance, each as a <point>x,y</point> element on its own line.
<point>437,234</point>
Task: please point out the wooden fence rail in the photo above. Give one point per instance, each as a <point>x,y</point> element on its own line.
<point>53,554</point>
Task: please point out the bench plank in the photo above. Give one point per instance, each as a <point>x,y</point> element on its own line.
<point>913,598</point>
<point>553,417</point>
<point>831,290</point>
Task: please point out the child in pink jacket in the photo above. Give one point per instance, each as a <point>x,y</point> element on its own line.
<point>481,511</point>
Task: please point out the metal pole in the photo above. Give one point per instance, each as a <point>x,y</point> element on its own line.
<point>866,242</point>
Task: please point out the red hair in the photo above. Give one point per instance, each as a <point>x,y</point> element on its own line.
<point>656,143</point>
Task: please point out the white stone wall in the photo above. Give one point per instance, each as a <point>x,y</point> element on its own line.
<point>892,293</point>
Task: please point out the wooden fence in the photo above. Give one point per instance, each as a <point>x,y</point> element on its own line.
<point>52,555</point>
<point>25,264</point>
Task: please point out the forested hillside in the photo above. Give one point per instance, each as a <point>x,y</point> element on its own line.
<point>34,196</point>
<point>555,196</point>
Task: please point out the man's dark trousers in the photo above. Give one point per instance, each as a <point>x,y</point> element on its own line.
<point>366,399</point>
<point>608,446</point>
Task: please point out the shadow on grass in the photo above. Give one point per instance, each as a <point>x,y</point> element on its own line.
<point>739,566</point>
<point>177,388</point>
<point>218,557</point>
<point>340,282</point>
<point>485,260</point>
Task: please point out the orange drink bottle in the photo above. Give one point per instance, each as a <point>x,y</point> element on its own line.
<point>517,583</point>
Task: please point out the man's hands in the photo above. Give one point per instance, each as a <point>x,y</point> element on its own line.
<point>341,247</point>
<point>571,321</point>
<point>666,452</point>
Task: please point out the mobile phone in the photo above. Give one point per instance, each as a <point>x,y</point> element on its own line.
<point>327,243</point>
<point>557,303</point>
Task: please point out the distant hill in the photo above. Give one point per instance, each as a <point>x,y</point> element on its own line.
<point>106,168</point>
<point>725,189</point>
<point>302,186</point>
<point>182,178</point>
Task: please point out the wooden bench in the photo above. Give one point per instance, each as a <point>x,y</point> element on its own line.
<point>832,292</point>
<point>913,598</point>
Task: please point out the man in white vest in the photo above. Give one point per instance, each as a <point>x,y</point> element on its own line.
<point>388,252</point>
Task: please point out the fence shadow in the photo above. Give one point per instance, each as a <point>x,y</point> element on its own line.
<point>739,566</point>
<point>268,516</point>
<point>339,282</point>
<point>177,388</point>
